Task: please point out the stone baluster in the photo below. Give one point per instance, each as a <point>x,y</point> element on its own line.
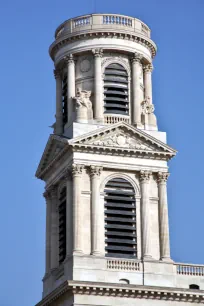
<point>148,82</point>
<point>59,109</point>
<point>77,209</point>
<point>54,227</point>
<point>145,213</point>
<point>163,216</point>
<point>98,94</point>
<point>71,91</point>
<point>96,212</point>
<point>48,232</point>
<point>136,91</point>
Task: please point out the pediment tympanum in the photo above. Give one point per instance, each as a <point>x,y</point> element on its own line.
<point>124,138</point>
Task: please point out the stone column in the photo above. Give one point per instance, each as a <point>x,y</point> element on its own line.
<point>136,91</point>
<point>71,91</point>
<point>77,209</point>
<point>98,86</point>
<point>69,212</point>
<point>163,216</point>
<point>148,82</point>
<point>54,228</point>
<point>48,232</point>
<point>145,213</point>
<point>96,211</point>
<point>59,109</point>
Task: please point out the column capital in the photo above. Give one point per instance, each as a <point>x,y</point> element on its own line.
<point>77,169</point>
<point>57,73</point>
<point>137,57</point>
<point>145,176</point>
<point>148,68</point>
<point>67,174</point>
<point>162,177</point>
<point>50,193</point>
<point>95,171</point>
<point>97,52</point>
<point>69,59</point>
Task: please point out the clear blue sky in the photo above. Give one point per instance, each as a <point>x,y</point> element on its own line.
<point>27,91</point>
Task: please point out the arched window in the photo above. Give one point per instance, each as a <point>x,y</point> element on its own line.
<point>116,90</point>
<point>194,286</point>
<point>62,225</point>
<point>120,219</point>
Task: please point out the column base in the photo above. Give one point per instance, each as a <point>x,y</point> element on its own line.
<point>166,259</point>
<point>78,252</point>
<point>147,257</point>
<point>96,253</point>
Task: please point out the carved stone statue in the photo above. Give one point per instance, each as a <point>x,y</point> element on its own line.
<point>148,116</point>
<point>83,106</point>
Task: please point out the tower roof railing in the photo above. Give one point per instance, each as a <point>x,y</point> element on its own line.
<point>102,22</point>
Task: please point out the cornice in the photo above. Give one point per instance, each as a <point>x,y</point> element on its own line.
<point>40,173</point>
<point>122,152</point>
<point>140,39</point>
<point>125,291</point>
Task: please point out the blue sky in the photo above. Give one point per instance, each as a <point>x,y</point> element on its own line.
<point>27,89</point>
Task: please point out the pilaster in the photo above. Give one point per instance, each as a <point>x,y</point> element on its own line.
<point>136,95</point>
<point>77,209</point>
<point>59,110</point>
<point>71,91</point>
<point>145,213</point>
<point>96,212</point>
<point>148,82</point>
<point>98,97</point>
<point>163,216</point>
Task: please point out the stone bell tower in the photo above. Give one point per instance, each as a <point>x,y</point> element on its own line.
<point>105,172</point>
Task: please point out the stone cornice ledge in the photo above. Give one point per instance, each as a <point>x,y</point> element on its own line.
<point>122,290</point>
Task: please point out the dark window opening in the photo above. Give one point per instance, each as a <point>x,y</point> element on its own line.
<point>194,286</point>
<point>62,226</point>
<point>120,219</point>
<point>116,90</point>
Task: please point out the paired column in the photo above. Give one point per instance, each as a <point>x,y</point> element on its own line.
<point>96,213</point>
<point>136,91</point>
<point>98,86</point>
<point>54,228</point>
<point>163,216</point>
<point>71,91</point>
<point>77,209</point>
<point>59,109</point>
<point>145,213</point>
<point>148,82</point>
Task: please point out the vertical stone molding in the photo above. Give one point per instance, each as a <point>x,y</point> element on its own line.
<point>77,209</point>
<point>52,195</point>
<point>148,82</point>
<point>136,92</point>
<point>163,216</point>
<point>69,212</point>
<point>98,94</point>
<point>71,91</point>
<point>48,232</point>
<point>145,213</point>
<point>59,109</point>
<point>96,212</point>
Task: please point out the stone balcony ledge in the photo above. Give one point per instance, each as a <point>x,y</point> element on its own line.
<point>107,22</point>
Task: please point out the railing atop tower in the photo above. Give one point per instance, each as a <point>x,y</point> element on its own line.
<point>102,22</point>
<point>189,269</point>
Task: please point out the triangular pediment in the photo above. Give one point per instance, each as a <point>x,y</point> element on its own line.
<point>123,137</point>
<point>54,148</point>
